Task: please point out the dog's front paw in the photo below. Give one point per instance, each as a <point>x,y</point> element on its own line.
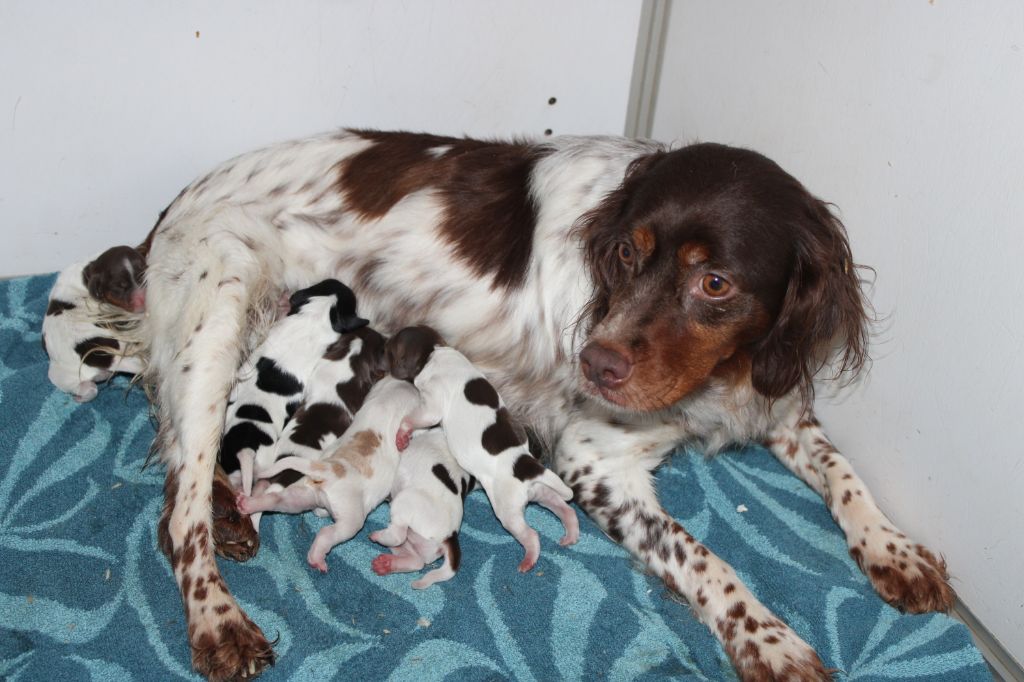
<point>905,574</point>
<point>763,648</point>
<point>402,438</point>
<point>234,536</point>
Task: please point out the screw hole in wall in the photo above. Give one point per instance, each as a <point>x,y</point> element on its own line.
<point>548,132</point>
<point>552,100</point>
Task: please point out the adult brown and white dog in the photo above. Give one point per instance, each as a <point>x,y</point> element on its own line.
<point>624,297</point>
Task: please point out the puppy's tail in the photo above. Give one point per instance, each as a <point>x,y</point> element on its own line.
<point>446,571</point>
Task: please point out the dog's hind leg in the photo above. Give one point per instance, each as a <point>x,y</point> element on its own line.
<point>206,291</point>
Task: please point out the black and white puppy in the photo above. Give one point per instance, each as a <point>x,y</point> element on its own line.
<point>426,511</point>
<point>353,479</point>
<point>271,383</point>
<point>334,393</point>
<point>480,433</point>
<point>81,352</point>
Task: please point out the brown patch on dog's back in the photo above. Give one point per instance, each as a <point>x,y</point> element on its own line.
<point>484,187</point>
<point>393,167</point>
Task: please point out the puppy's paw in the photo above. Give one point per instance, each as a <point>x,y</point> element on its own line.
<point>317,562</point>
<point>402,439</point>
<point>381,565</point>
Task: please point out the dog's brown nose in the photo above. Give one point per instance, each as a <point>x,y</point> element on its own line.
<point>605,367</point>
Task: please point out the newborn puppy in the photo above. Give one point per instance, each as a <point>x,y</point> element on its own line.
<point>355,477</point>
<point>480,433</point>
<point>334,393</point>
<point>115,276</point>
<point>81,353</point>
<point>426,511</point>
<point>271,382</point>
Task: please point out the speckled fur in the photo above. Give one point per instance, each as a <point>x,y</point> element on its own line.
<point>278,219</point>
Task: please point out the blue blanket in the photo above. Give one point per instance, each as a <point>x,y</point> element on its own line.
<point>85,594</point>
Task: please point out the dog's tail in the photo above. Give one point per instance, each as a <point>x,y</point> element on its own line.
<point>452,553</point>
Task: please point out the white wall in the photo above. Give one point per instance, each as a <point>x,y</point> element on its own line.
<point>108,108</point>
<point>909,116</point>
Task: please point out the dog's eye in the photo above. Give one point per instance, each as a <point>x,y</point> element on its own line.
<point>626,254</point>
<point>714,285</point>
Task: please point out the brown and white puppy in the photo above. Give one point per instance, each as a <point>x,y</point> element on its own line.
<point>333,394</point>
<point>481,435</point>
<point>272,381</point>
<point>353,479</point>
<point>81,352</point>
<point>116,276</point>
<point>426,511</point>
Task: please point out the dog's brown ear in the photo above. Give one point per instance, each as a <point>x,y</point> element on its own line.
<point>824,315</point>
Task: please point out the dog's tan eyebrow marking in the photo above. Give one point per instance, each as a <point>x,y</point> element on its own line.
<point>643,239</point>
<point>692,253</point>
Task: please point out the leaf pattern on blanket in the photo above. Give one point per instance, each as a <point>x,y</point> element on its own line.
<point>85,594</point>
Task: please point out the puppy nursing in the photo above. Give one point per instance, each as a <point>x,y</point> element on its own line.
<point>480,433</point>
<point>313,418</point>
<point>426,511</point>
<point>271,382</point>
<point>353,479</point>
<point>81,352</point>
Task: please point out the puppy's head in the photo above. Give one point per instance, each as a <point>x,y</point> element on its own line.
<point>711,261</point>
<point>409,350</point>
<point>343,307</point>
<point>116,276</point>
<point>370,365</point>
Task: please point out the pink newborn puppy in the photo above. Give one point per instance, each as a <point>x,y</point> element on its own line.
<point>480,433</point>
<point>353,479</point>
<point>426,511</point>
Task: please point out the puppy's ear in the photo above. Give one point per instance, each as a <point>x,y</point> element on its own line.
<point>343,323</point>
<point>297,300</point>
<point>90,280</point>
<point>823,315</point>
<point>376,356</point>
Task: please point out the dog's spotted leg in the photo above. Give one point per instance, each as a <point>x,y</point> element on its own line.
<point>905,574</point>
<point>609,468</point>
<point>195,352</point>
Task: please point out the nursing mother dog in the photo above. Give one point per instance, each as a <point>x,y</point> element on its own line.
<point>623,298</point>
